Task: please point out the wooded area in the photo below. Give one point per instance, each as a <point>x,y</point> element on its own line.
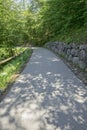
<point>61,20</point>
<point>40,21</point>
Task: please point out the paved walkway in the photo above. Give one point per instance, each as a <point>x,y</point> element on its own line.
<point>46,96</point>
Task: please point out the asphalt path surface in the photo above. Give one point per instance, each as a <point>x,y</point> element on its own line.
<point>46,96</point>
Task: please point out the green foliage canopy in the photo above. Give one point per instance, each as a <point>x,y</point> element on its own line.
<point>58,20</point>
<point>40,21</point>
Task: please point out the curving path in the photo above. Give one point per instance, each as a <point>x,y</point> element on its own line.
<point>46,96</point>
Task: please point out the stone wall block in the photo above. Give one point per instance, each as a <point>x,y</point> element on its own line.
<point>86,48</point>
<point>73,45</point>
<point>70,58</point>
<point>82,64</point>
<point>82,47</point>
<point>69,46</point>
<point>73,52</point>
<point>76,60</point>
<point>82,55</point>
<point>68,52</point>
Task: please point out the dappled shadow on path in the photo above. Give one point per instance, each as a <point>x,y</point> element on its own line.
<point>47,96</point>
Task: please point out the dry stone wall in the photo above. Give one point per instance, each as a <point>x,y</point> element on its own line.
<point>72,52</point>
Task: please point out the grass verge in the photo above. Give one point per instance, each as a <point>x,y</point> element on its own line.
<point>9,71</point>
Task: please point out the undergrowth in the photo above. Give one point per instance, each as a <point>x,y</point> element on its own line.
<point>8,71</point>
